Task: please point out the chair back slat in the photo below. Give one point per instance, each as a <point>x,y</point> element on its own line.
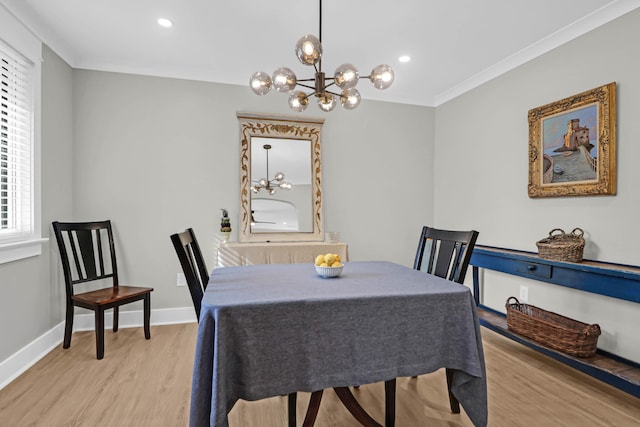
<point>88,257</point>
<point>446,261</point>
<point>193,265</point>
<point>100,256</point>
<point>449,252</point>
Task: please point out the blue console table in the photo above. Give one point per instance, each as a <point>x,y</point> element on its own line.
<point>613,280</point>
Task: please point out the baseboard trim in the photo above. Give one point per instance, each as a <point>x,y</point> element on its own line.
<point>133,319</point>
<point>12,367</point>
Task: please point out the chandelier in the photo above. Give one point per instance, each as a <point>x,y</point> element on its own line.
<point>309,52</point>
<point>270,185</point>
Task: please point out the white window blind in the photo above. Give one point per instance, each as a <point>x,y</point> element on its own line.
<point>16,146</point>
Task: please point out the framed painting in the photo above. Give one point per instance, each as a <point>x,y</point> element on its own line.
<point>572,145</point>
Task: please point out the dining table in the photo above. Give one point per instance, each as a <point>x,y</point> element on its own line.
<point>277,329</point>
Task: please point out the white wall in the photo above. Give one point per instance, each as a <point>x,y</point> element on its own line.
<point>482,171</point>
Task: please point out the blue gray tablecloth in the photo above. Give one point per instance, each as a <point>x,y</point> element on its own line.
<point>269,330</point>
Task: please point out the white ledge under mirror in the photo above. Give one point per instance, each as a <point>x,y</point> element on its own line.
<point>280,178</point>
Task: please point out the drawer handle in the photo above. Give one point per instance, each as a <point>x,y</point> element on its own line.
<point>531,267</point>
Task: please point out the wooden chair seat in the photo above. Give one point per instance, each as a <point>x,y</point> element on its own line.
<point>110,296</point>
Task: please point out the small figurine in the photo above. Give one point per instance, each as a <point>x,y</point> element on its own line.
<point>225,222</point>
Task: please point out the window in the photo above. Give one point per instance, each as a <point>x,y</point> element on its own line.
<point>16,147</point>
<point>20,69</point>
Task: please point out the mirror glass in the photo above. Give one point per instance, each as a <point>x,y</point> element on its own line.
<point>280,175</point>
<point>280,185</point>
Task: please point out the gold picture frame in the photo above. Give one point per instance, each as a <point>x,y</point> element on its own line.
<point>572,145</point>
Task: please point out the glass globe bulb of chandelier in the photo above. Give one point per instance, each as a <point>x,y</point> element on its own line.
<point>279,176</point>
<point>260,83</point>
<point>350,98</point>
<point>284,80</point>
<point>298,101</point>
<point>346,76</point>
<point>286,185</point>
<point>264,182</point>
<point>382,76</point>
<point>309,49</point>
<point>327,102</point>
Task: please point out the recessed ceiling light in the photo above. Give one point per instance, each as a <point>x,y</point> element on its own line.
<point>404,58</point>
<point>164,22</point>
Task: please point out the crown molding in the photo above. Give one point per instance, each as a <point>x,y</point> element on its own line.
<point>588,23</point>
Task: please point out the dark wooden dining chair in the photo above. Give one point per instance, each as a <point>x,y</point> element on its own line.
<point>87,252</point>
<point>193,265</point>
<point>197,277</point>
<point>449,252</point>
<point>448,256</point>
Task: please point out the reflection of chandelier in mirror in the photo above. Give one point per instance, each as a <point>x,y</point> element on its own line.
<point>309,52</point>
<point>270,185</point>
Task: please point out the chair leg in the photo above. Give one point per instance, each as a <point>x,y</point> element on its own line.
<point>115,318</point>
<point>453,402</point>
<point>390,403</point>
<point>99,333</point>
<point>68,326</point>
<point>291,408</point>
<point>147,316</point>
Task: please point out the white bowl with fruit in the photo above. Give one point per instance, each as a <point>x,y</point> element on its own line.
<point>328,265</point>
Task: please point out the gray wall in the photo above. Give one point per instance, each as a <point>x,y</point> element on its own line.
<point>32,291</point>
<point>484,133</point>
<point>157,155</point>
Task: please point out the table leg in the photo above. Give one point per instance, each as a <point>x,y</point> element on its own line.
<point>453,402</point>
<point>312,410</point>
<point>390,403</point>
<point>291,408</point>
<point>358,412</point>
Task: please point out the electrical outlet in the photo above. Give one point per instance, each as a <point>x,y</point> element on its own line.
<point>181,280</point>
<point>524,294</point>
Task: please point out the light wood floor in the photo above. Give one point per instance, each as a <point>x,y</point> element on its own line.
<point>147,383</point>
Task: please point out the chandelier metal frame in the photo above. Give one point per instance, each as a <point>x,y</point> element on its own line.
<point>309,52</point>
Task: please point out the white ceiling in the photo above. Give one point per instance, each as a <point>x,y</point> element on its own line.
<point>454,44</point>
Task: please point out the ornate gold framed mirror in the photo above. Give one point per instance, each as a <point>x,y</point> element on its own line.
<point>280,178</point>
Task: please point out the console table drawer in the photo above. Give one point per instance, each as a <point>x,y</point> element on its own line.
<point>533,269</point>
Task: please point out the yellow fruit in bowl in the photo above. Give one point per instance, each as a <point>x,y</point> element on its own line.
<point>329,258</point>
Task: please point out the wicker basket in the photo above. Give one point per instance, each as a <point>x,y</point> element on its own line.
<point>562,247</point>
<point>551,329</point>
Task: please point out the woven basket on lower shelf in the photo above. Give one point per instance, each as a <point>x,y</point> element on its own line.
<point>551,329</point>
<point>562,246</point>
